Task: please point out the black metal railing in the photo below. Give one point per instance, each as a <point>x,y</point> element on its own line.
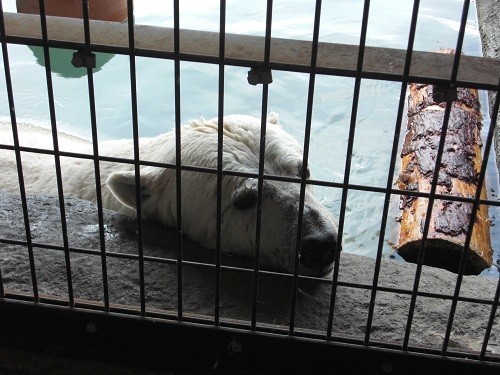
<point>220,172</point>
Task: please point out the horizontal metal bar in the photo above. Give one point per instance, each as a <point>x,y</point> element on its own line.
<point>173,262</point>
<point>193,318</point>
<point>190,168</point>
<point>166,342</point>
<point>246,50</point>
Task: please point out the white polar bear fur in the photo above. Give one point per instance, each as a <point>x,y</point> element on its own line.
<point>283,157</point>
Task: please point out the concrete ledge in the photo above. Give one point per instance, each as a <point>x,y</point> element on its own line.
<point>313,301</point>
<point>245,50</point>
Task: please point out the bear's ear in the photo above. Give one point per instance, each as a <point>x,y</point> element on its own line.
<point>273,118</point>
<point>122,185</point>
<point>245,196</point>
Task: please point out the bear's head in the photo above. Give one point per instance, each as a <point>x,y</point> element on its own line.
<point>239,195</point>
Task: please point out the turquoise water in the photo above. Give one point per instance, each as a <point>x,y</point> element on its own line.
<point>340,23</point>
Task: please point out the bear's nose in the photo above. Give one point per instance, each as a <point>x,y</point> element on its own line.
<point>318,250</point>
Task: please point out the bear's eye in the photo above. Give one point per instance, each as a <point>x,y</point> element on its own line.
<point>308,172</point>
<point>244,199</point>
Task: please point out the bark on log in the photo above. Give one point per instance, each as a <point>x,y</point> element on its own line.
<point>460,166</point>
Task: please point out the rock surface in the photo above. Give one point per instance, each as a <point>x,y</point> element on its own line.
<point>313,300</point>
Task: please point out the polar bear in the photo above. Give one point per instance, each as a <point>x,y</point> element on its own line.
<point>280,202</point>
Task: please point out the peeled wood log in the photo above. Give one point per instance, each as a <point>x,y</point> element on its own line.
<point>458,176</point>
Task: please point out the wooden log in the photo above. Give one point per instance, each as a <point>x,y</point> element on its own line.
<point>460,166</point>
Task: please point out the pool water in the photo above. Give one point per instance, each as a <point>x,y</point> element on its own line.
<point>437,28</point>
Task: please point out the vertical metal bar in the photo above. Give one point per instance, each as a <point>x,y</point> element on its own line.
<point>491,321</point>
<point>137,167</point>
<point>178,171</point>
<point>15,135</point>
<point>2,291</point>
<point>494,307</point>
<point>425,230</point>
<point>262,153</point>
<point>472,220</point>
<point>390,176</point>
<point>95,151</point>
<point>347,171</point>
<point>444,129</point>
<point>305,158</point>
<point>220,146</point>
<point>55,141</point>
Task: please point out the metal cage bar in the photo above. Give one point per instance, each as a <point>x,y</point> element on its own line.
<point>118,255</point>
<point>2,290</point>
<point>494,308</point>
<point>178,166</point>
<point>219,172</point>
<point>305,160</point>
<point>472,219</point>
<point>262,152</point>
<point>13,119</point>
<point>247,270</point>
<point>392,167</point>
<point>272,343</point>
<point>220,154</point>
<point>137,169</point>
<point>347,171</point>
<point>95,156</point>
<point>468,237</point>
<point>496,299</point>
<point>439,154</point>
<point>55,142</point>
<point>368,188</point>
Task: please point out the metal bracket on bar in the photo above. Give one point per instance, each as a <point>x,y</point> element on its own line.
<point>83,59</point>
<point>258,75</point>
<point>441,93</point>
